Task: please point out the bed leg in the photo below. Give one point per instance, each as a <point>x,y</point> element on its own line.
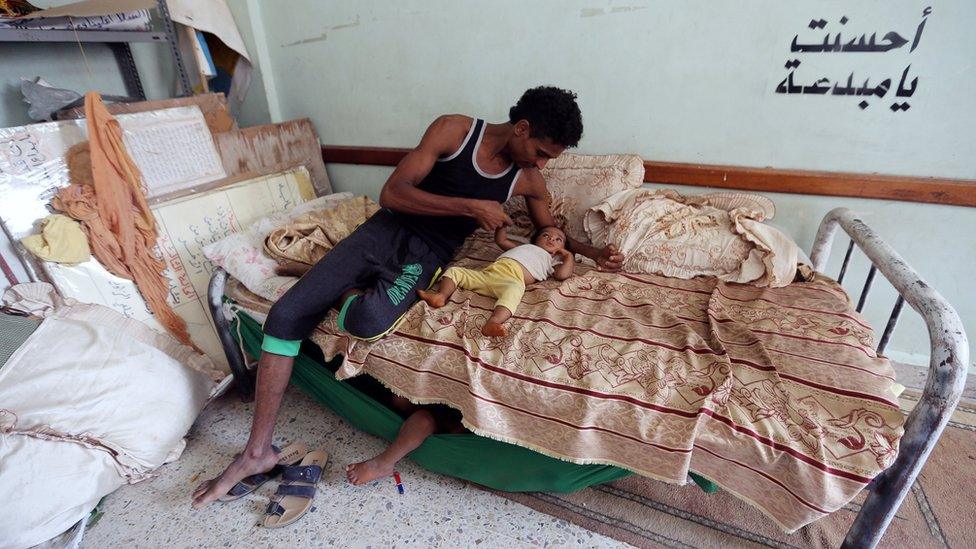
<point>879,508</point>
<point>943,387</point>
<point>235,358</point>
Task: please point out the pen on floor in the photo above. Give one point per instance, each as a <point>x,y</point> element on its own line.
<point>399,484</point>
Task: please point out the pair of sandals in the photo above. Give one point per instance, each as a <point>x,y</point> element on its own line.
<point>300,470</point>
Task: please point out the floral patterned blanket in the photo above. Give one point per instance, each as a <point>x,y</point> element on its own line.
<point>775,394</point>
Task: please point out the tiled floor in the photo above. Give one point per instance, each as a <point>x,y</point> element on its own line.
<point>435,511</point>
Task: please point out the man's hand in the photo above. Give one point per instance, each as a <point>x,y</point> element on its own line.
<point>609,259</point>
<point>489,214</point>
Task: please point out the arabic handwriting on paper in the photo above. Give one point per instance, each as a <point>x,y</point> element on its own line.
<point>286,201</point>
<point>173,152</point>
<point>180,287</point>
<point>19,154</point>
<point>122,298</point>
<point>864,43</point>
<point>189,224</point>
<point>155,147</point>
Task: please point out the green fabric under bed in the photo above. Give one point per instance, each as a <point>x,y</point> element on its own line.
<point>481,460</point>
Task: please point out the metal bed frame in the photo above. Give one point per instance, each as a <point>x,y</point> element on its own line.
<point>943,388</point>
<point>948,363</point>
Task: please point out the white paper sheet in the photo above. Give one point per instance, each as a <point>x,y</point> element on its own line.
<point>173,148</point>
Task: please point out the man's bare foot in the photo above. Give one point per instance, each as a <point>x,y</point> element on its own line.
<point>494,329</point>
<point>368,471</point>
<point>243,466</point>
<point>433,299</point>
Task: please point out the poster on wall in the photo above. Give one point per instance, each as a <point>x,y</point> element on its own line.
<point>857,86</point>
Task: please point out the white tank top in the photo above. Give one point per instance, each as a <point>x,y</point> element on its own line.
<point>537,261</point>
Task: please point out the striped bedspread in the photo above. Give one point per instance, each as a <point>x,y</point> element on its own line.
<point>775,394</point>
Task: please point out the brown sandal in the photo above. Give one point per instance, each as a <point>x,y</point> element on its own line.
<point>294,496</point>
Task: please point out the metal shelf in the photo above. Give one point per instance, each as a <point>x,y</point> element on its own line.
<point>119,42</point>
<point>88,36</point>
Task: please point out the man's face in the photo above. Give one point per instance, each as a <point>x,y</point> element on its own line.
<point>528,151</point>
<point>551,240</point>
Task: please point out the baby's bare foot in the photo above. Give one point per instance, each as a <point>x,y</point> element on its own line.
<point>433,299</point>
<point>367,471</point>
<point>494,329</point>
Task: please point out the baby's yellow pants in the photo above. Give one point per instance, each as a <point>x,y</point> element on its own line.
<point>501,280</point>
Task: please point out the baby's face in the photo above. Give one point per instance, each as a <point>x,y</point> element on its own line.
<point>551,240</point>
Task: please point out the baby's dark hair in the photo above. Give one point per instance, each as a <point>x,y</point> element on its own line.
<point>538,232</point>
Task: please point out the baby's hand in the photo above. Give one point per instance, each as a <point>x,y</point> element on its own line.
<point>565,254</point>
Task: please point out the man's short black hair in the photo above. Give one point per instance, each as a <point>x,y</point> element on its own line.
<point>552,113</point>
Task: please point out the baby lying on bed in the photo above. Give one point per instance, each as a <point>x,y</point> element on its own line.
<point>507,277</point>
<point>505,280</point>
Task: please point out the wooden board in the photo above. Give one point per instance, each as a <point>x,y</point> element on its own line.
<point>213,106</point>
<point>272,148</point>
<point>957,192</point>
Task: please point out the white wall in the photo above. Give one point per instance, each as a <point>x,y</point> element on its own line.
<point>685,81</point>
<point>679,81</point>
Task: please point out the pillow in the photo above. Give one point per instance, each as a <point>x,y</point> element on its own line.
<point>763,208</point>
<point>660,232</point>
<point>664,233</point>
<point>576,183</point>
<point>90,401</point>
<point>55,484</point>
<point>243,256</point>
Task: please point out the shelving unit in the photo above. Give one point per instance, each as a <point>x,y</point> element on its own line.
<point>119,42</point>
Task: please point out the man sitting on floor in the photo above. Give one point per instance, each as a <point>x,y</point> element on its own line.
<point>455,181</point>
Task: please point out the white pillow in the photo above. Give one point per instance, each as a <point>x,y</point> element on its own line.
<point>55,484</point>
<point>242,254</point>
<point>661,232</point>
<point>111,398</point>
